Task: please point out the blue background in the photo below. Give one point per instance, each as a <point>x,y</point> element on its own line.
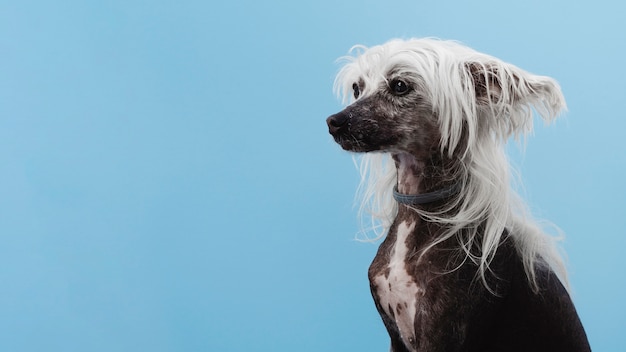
<point>167,182</point>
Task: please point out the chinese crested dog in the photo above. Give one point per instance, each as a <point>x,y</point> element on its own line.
<point>463,267</point>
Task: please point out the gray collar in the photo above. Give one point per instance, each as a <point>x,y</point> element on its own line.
<point>418,199</point>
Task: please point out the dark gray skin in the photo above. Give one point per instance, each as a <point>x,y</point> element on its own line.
<point>455,312</point>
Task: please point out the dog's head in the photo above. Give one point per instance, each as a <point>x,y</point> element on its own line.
<point>422,96</point>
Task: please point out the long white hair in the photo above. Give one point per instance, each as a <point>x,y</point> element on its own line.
<point>480,102</point>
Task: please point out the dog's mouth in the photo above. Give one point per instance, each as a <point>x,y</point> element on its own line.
<point>349,143</point>
<point>352,142</point>
<point>340,127</point>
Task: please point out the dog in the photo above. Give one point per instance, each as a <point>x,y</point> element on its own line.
<point>463,266</point>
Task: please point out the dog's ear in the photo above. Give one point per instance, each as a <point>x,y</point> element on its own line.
<point>510,94</point>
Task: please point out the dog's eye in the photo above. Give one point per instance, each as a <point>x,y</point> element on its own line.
<point>356,91</point>
<point>398,87</point>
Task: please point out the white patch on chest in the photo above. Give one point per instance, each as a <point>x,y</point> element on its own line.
<point>398,292</point>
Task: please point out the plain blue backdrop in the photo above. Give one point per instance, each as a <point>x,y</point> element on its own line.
<point>167,182</point>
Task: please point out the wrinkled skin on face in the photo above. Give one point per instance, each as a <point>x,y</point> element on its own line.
<point>394,118</point>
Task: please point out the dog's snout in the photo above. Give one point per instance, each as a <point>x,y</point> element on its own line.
<point>336,122</point>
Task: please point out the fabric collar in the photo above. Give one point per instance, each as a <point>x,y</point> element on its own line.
<point>418,199</point>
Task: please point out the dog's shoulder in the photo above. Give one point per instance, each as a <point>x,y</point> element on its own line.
<point>528,319</point>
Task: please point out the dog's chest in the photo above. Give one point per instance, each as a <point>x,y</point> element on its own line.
<point>394,289</point>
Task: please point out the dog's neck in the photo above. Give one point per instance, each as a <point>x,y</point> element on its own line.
<point>416,177</point>
<point>410,173</point>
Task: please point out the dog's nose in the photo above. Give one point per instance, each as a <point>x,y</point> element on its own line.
<point>336,122</point>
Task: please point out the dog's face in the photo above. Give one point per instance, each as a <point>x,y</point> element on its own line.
<point>389,114</point>
<point>424,96</point>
